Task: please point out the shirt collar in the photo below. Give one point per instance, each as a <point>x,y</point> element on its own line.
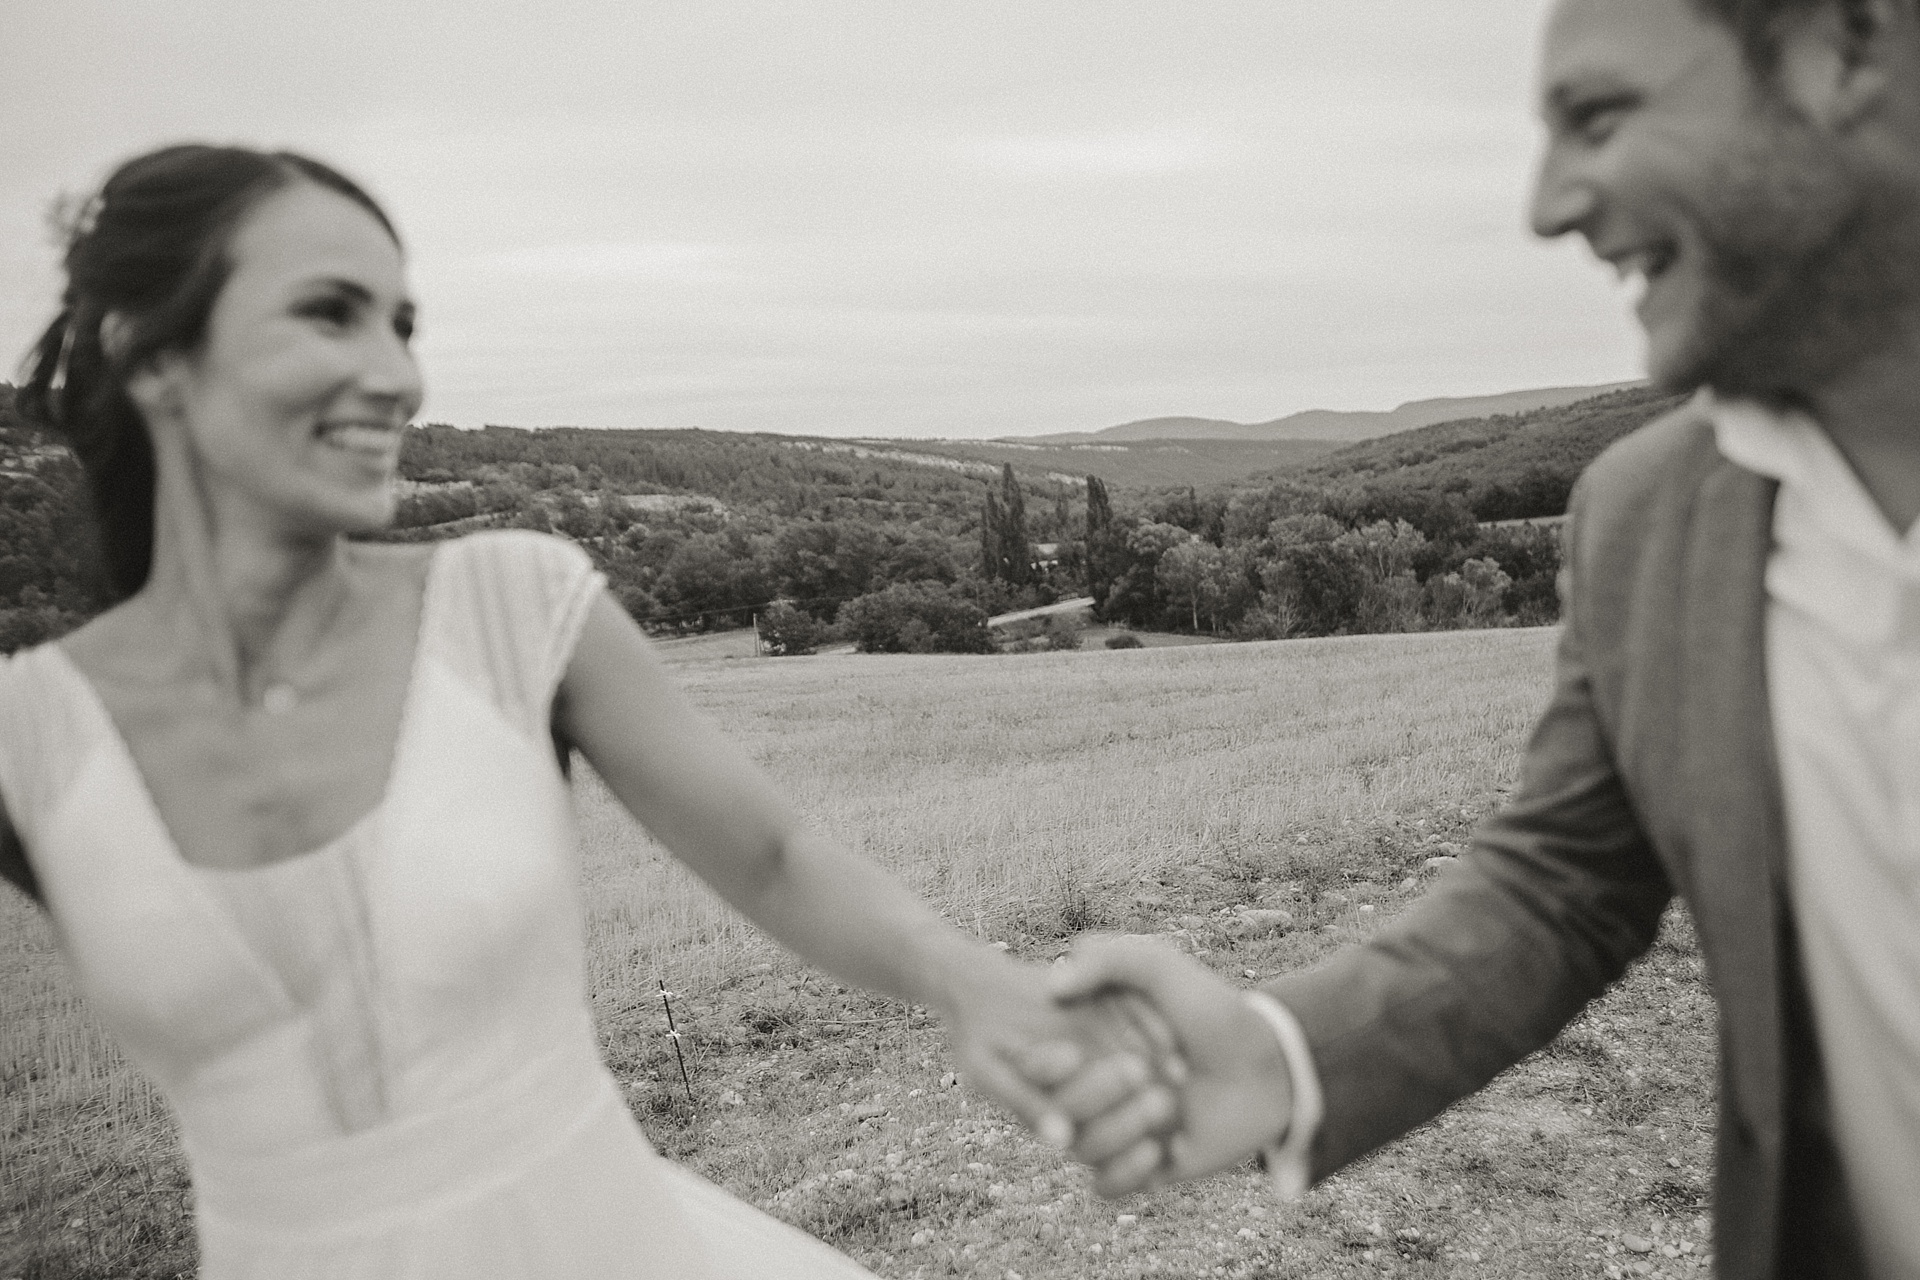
<point>1788,446</point>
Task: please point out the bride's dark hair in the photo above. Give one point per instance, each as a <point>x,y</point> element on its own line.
<point>150,250</point>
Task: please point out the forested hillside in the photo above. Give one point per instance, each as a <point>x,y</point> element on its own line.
<point>701,529</point>
<point>912,545</point>
<point>1393,534</point>
<point>1505,467</point>
<point>694,529</point>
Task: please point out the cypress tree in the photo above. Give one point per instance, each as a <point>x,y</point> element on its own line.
<point>1016,553</point>
<point>1099,540</point>
<point>1099,508</point>
<point>991,561</point>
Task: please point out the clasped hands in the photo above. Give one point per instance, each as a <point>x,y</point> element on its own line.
<point>1139,1061</point>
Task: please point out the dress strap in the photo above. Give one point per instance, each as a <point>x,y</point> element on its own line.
<point>506,610</point>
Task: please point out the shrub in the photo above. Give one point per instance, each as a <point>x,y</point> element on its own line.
<point>1125,640</point>
<point>1390,605</point>
<point>918,617</point>
<point>636,600</point>
<point>1530,555</point>
<point>1272,618</point>
<point>437,505</point>
<point>1323,583</point>
<point>1039,635</point>
<point>1063,633</point>
<point>1469,598</point>
<point>788,631</point>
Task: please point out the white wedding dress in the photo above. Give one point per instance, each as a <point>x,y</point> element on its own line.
<point>380,1051</point>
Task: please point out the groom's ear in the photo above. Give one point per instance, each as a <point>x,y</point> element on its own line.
<point>1845,63</point>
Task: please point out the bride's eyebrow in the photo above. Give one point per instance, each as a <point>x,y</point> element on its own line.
<point>356,292</point>
<point>338,284</point>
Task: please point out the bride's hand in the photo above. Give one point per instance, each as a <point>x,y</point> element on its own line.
<point>1015,1043</point>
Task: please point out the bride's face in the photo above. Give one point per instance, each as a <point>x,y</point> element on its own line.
<point>295,401</point>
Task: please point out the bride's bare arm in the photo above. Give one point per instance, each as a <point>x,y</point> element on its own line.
<point>711,805</point>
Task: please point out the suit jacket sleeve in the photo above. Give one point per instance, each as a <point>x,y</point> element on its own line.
<point>1560,891</point>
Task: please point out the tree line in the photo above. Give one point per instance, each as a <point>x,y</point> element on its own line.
<point>1290,559</point>
<point>821,541</point>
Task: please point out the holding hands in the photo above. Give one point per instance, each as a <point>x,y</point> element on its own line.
<point>1183,1077</point>
<point>1017,1043</point>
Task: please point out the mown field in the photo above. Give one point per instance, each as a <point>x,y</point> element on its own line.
<point>1032,797</point>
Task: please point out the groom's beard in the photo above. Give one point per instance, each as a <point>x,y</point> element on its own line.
<point>1811,266</point>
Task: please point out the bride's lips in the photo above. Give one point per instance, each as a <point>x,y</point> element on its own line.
<point>371,440</point>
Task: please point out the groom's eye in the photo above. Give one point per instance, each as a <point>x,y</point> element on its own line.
<point>1594,120</point>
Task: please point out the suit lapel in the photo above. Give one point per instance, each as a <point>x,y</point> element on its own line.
<point>1732,772</point>
<point>1734,821</point>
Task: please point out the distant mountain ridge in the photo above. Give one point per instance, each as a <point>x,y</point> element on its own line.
<point>1340,425</point>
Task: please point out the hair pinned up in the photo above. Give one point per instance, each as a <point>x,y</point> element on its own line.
<point>149,252</point>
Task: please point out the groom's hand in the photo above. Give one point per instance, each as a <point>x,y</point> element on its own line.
<point>1237,1098</point>
<point>1016,1043</point>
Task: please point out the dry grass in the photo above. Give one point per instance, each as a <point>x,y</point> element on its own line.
<point>995,785</point>
<point>1030,797</point>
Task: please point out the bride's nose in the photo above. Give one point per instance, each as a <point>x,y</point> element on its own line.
<point>390,370</point>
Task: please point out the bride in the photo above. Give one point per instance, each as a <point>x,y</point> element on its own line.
<point>296,809</point>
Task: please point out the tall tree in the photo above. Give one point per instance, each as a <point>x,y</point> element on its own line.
<point>1099,507</point>
<point>991,520</point>
<point>1016,551</point>
<point>1004,549</point>
<point>1100,558</point>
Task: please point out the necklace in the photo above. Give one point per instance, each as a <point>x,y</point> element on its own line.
<point>279,696</point>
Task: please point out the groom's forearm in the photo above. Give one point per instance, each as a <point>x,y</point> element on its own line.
<point>1473,978</point>
<point>1561,890</point>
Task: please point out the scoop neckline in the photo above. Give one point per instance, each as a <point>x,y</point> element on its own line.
<point>117,742</point>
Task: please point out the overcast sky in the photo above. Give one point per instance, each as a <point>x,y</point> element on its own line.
<point>869,217</point>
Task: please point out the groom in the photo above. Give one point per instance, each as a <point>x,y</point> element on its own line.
<point>1736,716</point>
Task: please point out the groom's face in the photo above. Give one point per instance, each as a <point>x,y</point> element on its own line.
<point>1690,174</point>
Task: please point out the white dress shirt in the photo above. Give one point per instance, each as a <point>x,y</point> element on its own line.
<point>1843,679</point>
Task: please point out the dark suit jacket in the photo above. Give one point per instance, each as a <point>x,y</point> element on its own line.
<point>1651,772</point>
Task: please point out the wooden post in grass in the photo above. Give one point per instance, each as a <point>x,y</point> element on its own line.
<point>673,1034</point>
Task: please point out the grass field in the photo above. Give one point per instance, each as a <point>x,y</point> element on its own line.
<point>1031,797</point>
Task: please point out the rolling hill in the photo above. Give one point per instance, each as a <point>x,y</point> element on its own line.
<point>1333,424</point>
<point>1504,466</point>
